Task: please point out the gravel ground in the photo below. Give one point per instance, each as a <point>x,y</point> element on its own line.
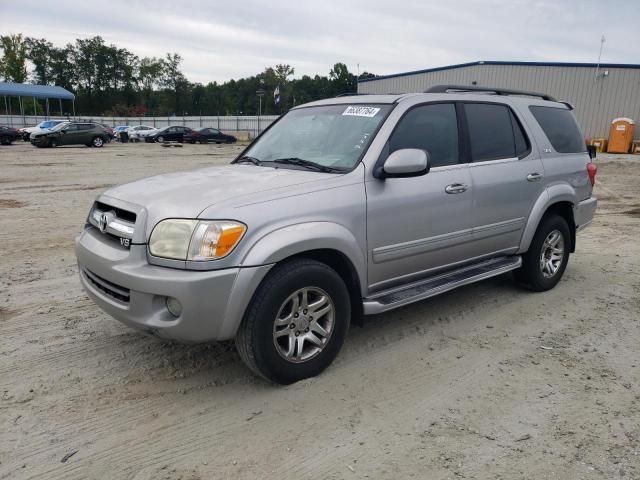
<point>488,381</point>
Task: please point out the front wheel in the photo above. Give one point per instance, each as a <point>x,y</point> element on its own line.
<point>546,260</point>
<point>160,139</point>
<point>53,143</point>
<point>296,322</point>
<point>5,140</point>
<point>97,142</point>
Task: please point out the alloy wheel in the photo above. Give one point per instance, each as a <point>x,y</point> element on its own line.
<point>304,324</point>
<point>552,254</point>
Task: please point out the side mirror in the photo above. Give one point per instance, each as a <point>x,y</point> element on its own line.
<point>407,162</point>
<point>592,151</point>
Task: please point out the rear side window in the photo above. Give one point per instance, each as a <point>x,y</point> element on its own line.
<point>561,128</point>
<point>433,128</point>
<point>494,132</point>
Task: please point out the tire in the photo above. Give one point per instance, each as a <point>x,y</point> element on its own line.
<point>5,141</point>
<point>160,139</point>
<point>552,235</point>
<point>261,340</point>
<point>97,142</point>
<point>53,143</point>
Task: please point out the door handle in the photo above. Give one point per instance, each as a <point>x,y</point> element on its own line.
<point>456,188</point>
<point>533,177</point>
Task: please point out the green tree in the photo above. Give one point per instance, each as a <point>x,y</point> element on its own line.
<point>343,81</point>
<point>13,64</point>
<point>174,80</point>
<point>40,54</point>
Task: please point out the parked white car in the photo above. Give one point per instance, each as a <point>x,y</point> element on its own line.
<point>42,127</point>
<point>138,132</point>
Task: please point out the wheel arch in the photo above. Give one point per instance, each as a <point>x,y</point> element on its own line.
<point>560,200</point>
<point>339,262</point>
<point>326,242</point>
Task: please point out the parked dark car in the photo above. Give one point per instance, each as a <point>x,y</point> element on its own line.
<point>73,133</point>
<point>8,135</point>
<point>208,135</point>
<point>108,130</point>
<point>168,134</point>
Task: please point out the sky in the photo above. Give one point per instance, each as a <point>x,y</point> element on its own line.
<point>223,40</point>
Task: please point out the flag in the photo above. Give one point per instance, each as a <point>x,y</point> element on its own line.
<point>276,95</point>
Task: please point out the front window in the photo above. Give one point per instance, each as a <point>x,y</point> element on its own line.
<point>59,126</point>
<point>332,136</point>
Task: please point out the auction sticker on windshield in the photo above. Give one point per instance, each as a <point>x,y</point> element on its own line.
<point>356,111</point>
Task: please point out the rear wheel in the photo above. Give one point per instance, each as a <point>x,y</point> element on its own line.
<point>53,142</point>
<point>5,140</point>
<point>296,322</point>
<point>546,260</point>
<point>97,142</point>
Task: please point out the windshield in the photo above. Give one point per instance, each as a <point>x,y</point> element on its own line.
<point>48,124</point>
<point>331,136</point>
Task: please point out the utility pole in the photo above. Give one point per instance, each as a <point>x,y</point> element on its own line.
<point>260,94</point>
<point>602,40</point>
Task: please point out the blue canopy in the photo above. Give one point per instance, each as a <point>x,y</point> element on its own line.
<point>37,91</point>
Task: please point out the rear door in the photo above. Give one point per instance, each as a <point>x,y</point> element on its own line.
<point>506,174</point>
<point>86,132</point>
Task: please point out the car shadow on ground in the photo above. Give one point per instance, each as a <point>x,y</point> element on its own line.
<point>218,363</point>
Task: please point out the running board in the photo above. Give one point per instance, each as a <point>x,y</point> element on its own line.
<point>416,291</point>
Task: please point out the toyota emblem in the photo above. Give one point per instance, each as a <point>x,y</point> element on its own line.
<point>103,223</point>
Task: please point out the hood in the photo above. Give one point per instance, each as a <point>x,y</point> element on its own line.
<point>36,130</point>
<point>188,194</point>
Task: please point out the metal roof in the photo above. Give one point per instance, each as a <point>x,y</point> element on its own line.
<point>37,91</point>
<point>494,62</point>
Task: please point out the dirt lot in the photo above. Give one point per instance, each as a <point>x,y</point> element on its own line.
<point>488,381</point>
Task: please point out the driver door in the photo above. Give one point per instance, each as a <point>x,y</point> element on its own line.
<point>70,135</point>
<point>417,226</point>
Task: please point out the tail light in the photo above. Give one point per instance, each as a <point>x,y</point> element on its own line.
<point>591,171</point>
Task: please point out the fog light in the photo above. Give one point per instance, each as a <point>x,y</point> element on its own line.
<point>174,306</point>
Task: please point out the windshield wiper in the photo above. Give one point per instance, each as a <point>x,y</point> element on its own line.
<point>301,162</point>
<point>248,159</point>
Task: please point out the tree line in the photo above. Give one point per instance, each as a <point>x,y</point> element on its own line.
<point>109,80</point>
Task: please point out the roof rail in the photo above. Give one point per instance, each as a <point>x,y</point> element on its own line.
<point>494,90</point>
<point>350,94</point>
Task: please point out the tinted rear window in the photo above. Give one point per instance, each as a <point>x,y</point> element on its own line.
<point>492,133</point>
<point>560,127</point>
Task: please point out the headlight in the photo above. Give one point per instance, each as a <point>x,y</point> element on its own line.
<point>195,240</point>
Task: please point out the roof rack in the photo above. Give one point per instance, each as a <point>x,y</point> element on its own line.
<point>350,94</point>
<point>496,91</point>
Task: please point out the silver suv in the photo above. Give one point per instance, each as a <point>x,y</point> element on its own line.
<point>344,207</point>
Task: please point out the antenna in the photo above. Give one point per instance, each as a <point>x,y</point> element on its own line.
<point>602,40</point>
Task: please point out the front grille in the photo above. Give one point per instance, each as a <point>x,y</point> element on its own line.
<point>119,223</point>
<point>120,213</point>
<point>108,288</point>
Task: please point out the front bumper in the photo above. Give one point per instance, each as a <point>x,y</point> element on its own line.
<point>39,141</point>
<point>134,292</point>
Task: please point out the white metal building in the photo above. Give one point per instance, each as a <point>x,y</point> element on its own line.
<point>599,93</point>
